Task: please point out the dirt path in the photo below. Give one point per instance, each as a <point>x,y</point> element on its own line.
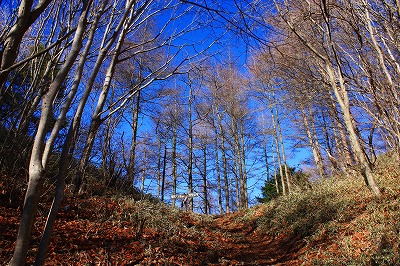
<point>85,235</point>
<point>242,244</point>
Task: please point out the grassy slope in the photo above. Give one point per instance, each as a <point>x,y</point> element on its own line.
<point>336,223</point>
<point>340,222</point>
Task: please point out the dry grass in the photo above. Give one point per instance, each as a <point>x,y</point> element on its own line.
<point>340,220</point>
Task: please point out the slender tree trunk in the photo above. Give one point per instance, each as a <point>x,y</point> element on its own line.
<point>278,191</point>
<point>164,171</point>
<point>225,174</point>
<point>204,174</point>
<point>313,140</point>
<point>218,172</point>
<point>237,182</point>
<point>278,154</point>
<point>243,189</point>
<point>190,163</point>
<point>241,195</point>
<point>342,98</point>
<point>391,96</point>
<point>135,127</point>
<point>266,160</point>
<point>27,113</point>
<point>96,119</point>
<point>344,155</point>
<point>287,175</point>
<point>330,144</point>
<point>144,172</point>
<point>380,55</point>
<point>32,105</point>
<point>36,168</point>
<point>159,156</point>
<point>94,126</point>
<point>58,197</point>
<point>336,79</point>
<point>224,164</point>
<point>174,163</point>
<point>105,167</point>
<point>71,95</point>
<point>27,15</point>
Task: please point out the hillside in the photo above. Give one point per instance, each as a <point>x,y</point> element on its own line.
<point>338,222</point>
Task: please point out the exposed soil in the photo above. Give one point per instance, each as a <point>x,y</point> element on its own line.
<point>245,245</point>
<point>110,230</point>
<point>81,238</point>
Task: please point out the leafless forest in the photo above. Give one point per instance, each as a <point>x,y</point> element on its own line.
<point>153,98</point>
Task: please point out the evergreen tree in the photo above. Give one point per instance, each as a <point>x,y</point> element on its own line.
<point>298,178</point>
<point>268,191</point>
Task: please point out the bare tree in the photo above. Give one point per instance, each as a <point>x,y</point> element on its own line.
<point>27,15</point>
<point>36,166</point>
<point>333,68</point>
<point>167,65</point>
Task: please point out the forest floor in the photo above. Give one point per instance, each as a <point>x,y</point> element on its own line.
<point>87,232</point>
<point>245,245</point>
<point>339,222</point>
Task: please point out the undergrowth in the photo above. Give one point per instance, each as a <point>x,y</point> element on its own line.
<point>340,220</point>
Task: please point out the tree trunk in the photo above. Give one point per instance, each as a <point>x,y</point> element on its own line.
<point>79,178</point>
<point>266,160</point>
<point>344,154</point>
<point>313,140</point>
<point>243,189</point>
<point>96,120</point>
<point>36,168</point>
<point>287,175</point>
<point>26,17</point>
<point>135,127</point>
<point>391,100</point>
<point>278,191</point>
<point>380,55</point>
<point>342,98</point>
<point>237,182</point>
<point>58,197</point>
<point>71,95</point>
<point>174,164</point>
<point>204,175</point>
<point>31,105</point>
<point>144,172</point>
<point>278,154</point>
<point>190,163</point>
<point>159,156</point>
<point>105,47</point>
<point>336,80</point>
<point>224,164</point>
<point>217,170</point>
<point>240,193</point>
<point>164,171</point>
<point>64,159</point>
<point>106,167</point>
